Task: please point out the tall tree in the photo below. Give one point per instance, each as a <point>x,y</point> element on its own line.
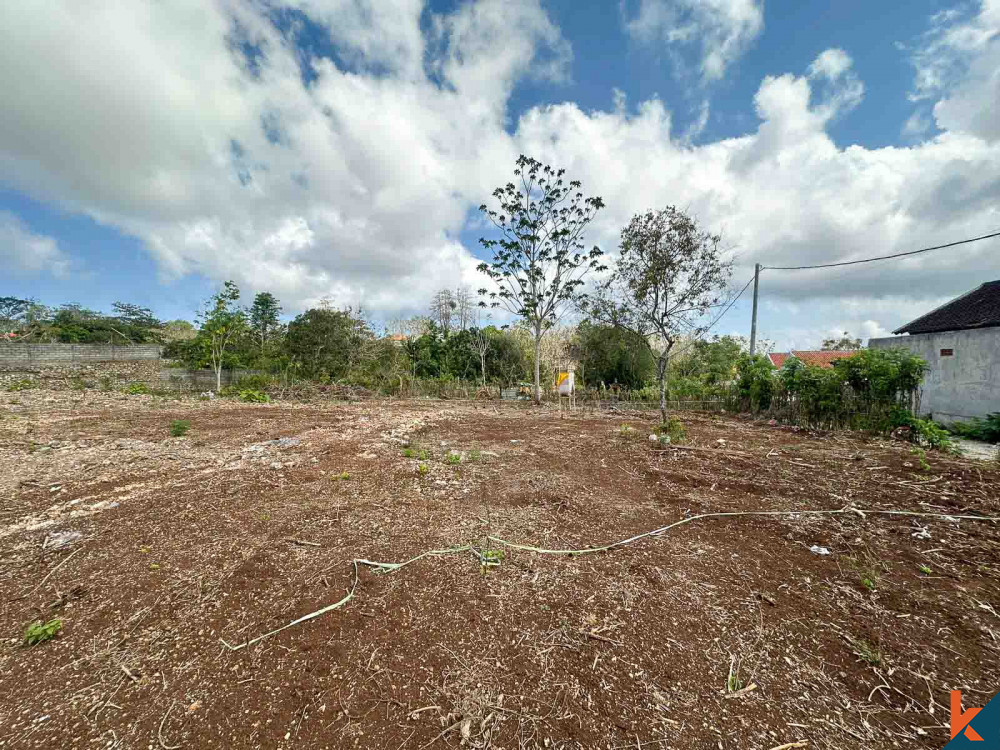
<point>539,260</point>
<point>669,274</point>
<point>12,313</point>
<point>844,344</point>
<point>443,307</point>
<point>464,307</point>
<point>222,321</point>
<point>264,314</point>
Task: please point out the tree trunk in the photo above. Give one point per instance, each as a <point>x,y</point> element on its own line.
<point>538,365</point>
<point>482,362</point>
<point>218,377</point>
<point>661,376</point>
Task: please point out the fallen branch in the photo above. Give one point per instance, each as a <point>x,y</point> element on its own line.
<point>790,745</point>
<point>52,572</point>
<point>159,732</point>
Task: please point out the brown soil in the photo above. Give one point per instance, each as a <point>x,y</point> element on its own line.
<point>225,535</point>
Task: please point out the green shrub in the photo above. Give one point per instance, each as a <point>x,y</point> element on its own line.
<point>674,429</point>
<point>137,389</point>
<point>987,430</point>
<point>37,633</point>
<point>755,381</point>
<point>254,397</point>
<point>179,427</point>
<point>21,385</point>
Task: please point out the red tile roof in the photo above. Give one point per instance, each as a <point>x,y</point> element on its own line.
<point>820,359</point>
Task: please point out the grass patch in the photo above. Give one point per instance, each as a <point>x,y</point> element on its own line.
<point>137,389</point>
<point>26,384</point>
<point>250,396</point>
<point>179,427</point>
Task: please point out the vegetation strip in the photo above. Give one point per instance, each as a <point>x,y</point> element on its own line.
<point>389,567</point>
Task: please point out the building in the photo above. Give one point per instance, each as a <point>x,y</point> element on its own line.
<point>823,359</point>
<point>961,343</point>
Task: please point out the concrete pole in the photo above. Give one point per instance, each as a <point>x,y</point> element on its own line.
<point>753,320</point>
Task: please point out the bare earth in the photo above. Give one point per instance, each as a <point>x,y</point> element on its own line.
<point>719,633</point>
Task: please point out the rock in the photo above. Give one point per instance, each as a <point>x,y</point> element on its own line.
<point>60,539</point>
<point>653,438</point>
<point>285,442</point>
<point>276,464</point>
<point>817,550</point>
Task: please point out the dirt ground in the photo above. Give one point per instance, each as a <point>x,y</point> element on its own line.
<point>725,632</point>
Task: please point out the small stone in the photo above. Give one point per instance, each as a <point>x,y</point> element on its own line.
<point>276,464</point>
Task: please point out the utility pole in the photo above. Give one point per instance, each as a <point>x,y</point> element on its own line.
<point>753,322</point>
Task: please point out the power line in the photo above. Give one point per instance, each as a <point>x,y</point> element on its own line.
<point>734,301</point>
<point>882,257</point>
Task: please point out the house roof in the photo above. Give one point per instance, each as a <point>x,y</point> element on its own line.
<point>979,308</point>
<point>818,358</point>
<point>778,358</point>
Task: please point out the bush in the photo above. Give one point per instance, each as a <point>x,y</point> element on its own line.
<point>755,381</point>
<point>674,429</point>
<point>37,633</point>
<point>987,430</point>
<point>179,427</point>
<point>254,397</point>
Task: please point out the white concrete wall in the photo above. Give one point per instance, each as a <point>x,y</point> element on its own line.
<point>959,387</point>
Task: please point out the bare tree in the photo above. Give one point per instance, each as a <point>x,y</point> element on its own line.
<point>443,307</point>
<point>539,260</point>
<point>669,273</point>
<point>464,307</point>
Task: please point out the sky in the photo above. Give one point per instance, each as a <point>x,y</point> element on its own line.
<point>340,149</point>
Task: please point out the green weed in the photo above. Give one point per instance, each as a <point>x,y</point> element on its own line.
<point>25,384</point>
<point>37,632</point>
<point>453,459</point>
<point>254,397</point>
<point>866,652</point>
<point>674,429</point>
<point>491,558</point>
<point>137,389</point>
<point>423,469</point>
<point>925,570</point>
<point>408,453</point>
<point>179,427</point>
<point>475,454</point>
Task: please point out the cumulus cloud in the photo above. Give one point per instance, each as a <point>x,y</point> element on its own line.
<point>957,63</point>
<point>786,195</point>
<point>721,30</point>
<point>218,135</point>
<point>22,252</point>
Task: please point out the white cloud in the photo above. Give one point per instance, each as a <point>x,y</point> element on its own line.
<point>721,30</point>
<point>786,195</point>
<point>22,252</point>
<point>957,63</point>
<point>357,184</point>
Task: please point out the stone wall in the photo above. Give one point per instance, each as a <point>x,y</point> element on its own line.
<point>17,355</point>
<point>77,375</point>
<point>963,379</point>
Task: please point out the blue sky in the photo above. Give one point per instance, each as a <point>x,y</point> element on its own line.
<point>339,149</point>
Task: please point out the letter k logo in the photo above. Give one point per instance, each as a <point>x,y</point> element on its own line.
<point>960,721</point>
